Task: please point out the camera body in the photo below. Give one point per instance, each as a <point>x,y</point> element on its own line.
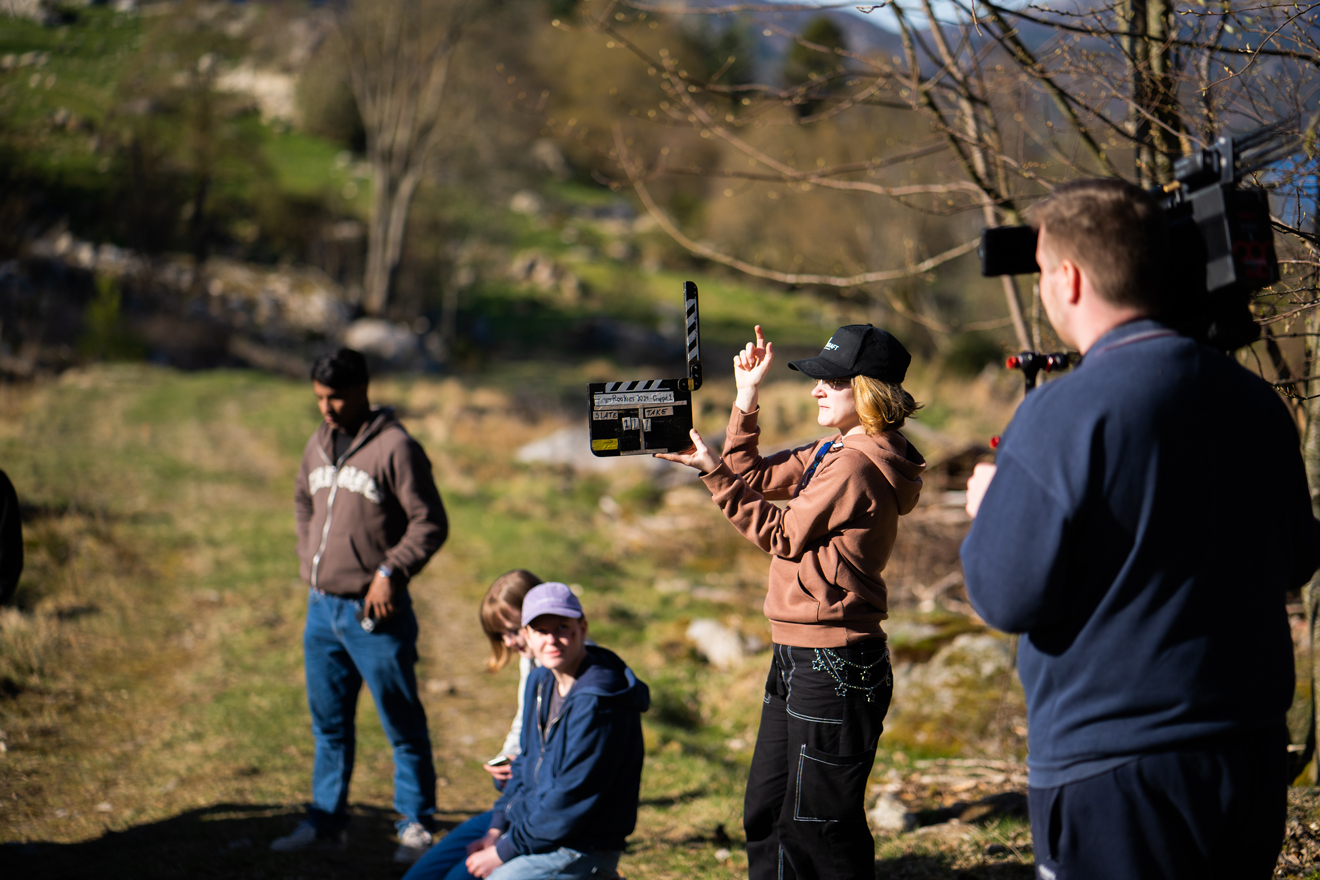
<point>1221,243</point>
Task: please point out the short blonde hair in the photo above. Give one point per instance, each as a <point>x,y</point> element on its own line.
<point>506,594</point>
<point>882,406</point>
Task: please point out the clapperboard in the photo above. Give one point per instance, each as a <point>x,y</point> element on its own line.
<point>649,415</point>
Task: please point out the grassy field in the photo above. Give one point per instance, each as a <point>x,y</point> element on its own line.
<point>152,712</point>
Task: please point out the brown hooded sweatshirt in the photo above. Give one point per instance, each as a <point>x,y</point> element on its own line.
<point>376,505</point>
<point>830,543</point>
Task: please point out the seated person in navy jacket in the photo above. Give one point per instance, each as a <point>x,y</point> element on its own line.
<point>572,800</point>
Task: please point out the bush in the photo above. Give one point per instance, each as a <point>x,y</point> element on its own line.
<point>104,335</point>
<point>968,353</point>
<point>326,106</point>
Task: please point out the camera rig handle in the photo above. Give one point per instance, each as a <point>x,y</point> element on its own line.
<point>1032,363</point>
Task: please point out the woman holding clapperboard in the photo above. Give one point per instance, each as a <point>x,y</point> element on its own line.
<point>830,683</point>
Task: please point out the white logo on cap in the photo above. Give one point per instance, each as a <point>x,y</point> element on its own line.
<point>830,346</point>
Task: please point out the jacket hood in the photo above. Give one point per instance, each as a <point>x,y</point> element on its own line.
<point>608,677</point>
<point>377,420</point>
<point>897,459</point>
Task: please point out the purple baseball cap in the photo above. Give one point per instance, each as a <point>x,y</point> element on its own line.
<point>550,598</point>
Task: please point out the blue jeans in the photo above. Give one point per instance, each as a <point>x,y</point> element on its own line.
<point>447,859</point>
<point>563,862</point>
<point>339,655</point>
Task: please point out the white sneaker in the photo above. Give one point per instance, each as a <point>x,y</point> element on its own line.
<point>305,836</point>
<point>414,840</point>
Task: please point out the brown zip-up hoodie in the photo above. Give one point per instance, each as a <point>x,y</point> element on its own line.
<point>830,543</point>
<point>377,504</point>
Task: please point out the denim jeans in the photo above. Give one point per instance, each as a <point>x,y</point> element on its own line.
<point>563,862</point>
<point>447,860</point>
<point>339,656</point>
<point>804,812</point>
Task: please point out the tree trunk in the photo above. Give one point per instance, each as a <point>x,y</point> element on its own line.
<point>1153,119</point>
<point>1311,592</point>
<point>1132,15</point>
<point>1165,131</point>
<point>389,221</point>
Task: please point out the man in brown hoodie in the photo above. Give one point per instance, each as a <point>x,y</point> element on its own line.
<point>369,518</point>
<point>829,684</point>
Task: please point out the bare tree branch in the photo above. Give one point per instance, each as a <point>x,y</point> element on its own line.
<point>1187,44</point>
<point>679,7</point>
<point>398,54</point>
<point>796,278</point>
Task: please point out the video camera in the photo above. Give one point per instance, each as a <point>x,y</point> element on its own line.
<point>1221,243</point>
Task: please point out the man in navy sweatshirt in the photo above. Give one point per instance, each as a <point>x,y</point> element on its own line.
<point>1145,568</point>
<point>572,800</point>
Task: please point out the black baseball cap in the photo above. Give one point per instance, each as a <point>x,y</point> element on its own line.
<point>858,350</point>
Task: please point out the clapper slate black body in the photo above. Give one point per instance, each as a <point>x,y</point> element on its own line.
<point>649,415</point>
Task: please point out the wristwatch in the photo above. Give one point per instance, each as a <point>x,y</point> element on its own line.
<point>385,571</point>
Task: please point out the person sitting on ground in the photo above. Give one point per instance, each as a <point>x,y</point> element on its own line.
<point>572,799</point>
<point>501,620</point>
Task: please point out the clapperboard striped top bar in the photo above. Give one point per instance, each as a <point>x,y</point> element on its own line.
<point>693,335</point>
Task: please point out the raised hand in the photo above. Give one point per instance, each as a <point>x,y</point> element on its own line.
<point>749,369</point>
<point>977,485</point>
<point>699,456</point>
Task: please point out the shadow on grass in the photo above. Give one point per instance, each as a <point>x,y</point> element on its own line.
<point>670,800</point>
<point>220,841</point>
<point>936,867</point>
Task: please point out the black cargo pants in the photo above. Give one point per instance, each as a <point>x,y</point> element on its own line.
<point>805,812</point>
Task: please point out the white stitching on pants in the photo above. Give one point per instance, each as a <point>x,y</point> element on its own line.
<point>815,720</point>
<point>788,699</point>
<point>797,803</point>
<point>788,677</point>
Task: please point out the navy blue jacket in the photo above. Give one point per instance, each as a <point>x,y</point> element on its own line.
<point>1148,513</point>
<point>576,782</point>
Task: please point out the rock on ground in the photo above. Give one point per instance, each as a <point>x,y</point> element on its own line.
<point>719,644</point>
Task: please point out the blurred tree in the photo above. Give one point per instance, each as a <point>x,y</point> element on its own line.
<point>1019,98</point>
<point>723,52</point>
<point>814,66</point>
<point>326,106</point>
<point>183,149</point>
<point>399,55</point>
